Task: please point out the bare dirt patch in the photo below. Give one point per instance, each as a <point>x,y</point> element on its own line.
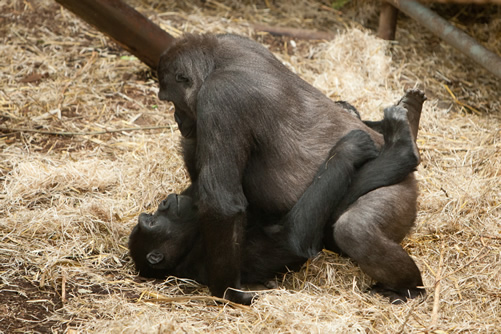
<point>27,308</point>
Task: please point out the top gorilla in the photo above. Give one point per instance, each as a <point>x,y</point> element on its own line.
<point>255,135</point>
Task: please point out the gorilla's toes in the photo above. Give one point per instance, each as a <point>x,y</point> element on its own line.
<point>271,284</point>
<point>239,296</point>
<point>413,100</point>
<point>397,296</point>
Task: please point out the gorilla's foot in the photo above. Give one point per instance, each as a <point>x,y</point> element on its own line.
<point>397,131</point>
<point>413,101</point>
<point>239,296</point>
<point>397,296</point>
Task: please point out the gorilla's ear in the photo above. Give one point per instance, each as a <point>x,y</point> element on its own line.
<point>154,257</point>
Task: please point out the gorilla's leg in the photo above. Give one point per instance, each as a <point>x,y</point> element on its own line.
<point>370,231</point>
<point>413,101</point>
<point>370,225</point>
<point>373,226</point>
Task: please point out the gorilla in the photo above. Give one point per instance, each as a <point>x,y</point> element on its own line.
<point>254,137</point>
<point>168,243</point>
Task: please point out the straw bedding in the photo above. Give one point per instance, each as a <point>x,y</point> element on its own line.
<point>85,146</point>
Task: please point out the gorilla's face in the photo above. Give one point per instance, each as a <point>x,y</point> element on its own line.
<point>179,84</point>
<point>159,241</point>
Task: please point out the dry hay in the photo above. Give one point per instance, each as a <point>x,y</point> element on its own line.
<point>68,202</point>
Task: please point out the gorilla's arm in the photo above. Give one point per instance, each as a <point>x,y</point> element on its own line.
<point>375,125</point>
<point>221,155</point>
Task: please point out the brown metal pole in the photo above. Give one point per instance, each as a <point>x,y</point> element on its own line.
<point>387,21</point>
<point>133,31</point>
<point>452,35</point>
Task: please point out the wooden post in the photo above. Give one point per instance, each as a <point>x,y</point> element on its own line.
<point>387,21</point>
<point>133,31</point>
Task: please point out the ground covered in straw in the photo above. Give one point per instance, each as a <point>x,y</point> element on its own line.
<point>85,146</point>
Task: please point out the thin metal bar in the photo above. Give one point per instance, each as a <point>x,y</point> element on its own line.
<point>452,35</point>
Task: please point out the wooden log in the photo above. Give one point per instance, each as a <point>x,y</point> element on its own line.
<point>132,30</point>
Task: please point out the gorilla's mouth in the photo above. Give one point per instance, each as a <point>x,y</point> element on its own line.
<point>185,124</point>
<point>178,119</point>
<point>186,207</point>
<point>178,205</point>
<point>187,131</point>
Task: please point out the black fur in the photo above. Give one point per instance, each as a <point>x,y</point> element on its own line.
<point>255,136</point>
<point>172,236</point>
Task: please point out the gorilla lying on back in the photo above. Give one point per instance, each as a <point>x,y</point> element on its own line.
<point>169,242</point>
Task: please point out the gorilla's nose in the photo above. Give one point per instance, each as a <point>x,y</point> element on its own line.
<point>146,221</point>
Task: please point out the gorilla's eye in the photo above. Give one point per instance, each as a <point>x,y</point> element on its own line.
<point>182,78</point>
<point>164,205</point>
